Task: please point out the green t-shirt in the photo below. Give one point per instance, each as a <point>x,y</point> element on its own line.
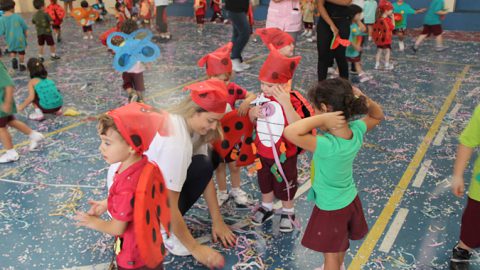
<point>333,187</point>
<point>404,9</point>
<point>369,9</point>
<point>470,137</point>
<point>13,27</point>
<point>5,80</point>
<point>431,17</point>
<point>42,23</point>
<point>355,34</point>
<point>48,95</point>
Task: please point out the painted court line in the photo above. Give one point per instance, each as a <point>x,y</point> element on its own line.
<point>101,266</point>
<point>422,173</point>
<point>394,229</point>
<point>454,111</point>
<point>440,136</point>
<point>366,249</point>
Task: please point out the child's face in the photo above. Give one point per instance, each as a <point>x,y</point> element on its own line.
<point>268,88</point>
<point>202,122</point>
<point>389,12</point>
<point>222,77</point>
<point>287,50</point>
<point>357,17</point>
<point>113,147</point>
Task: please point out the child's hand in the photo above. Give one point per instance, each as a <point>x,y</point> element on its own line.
<point>255,112</point>
<point>458,186</point>
<point>84,219</point>
<point>243,108</point>
<point>334,120</point>
<point>357,92</point>
<point>97,208</point>
<point>281,95</point>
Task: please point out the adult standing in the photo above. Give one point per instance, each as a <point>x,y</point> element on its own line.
<point>285,15</point>
<point>188,170</point>
<point>335,19</point>
<point>160,14</point>
<point>237,12</point>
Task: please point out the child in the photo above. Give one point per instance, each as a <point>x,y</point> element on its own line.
<point>42,92</point>
<point>369,10</point>
<point>337,215</point>
<point>57,13</point>
<point>383,33</point>
<point>200,8</point>
<point>146,8</point>
<point>68,4</point>
<point>432,25</point>
<point>42,23</point>
<point>308,9</point>
<point>284,107</point>
<point>217,11</point>
<point>99,6</point>
<point>402,10</point>
<point>133,81</point>
<point>219,66</point>
<point>14,28</point>
<point>469,237</point>
<point>356,36</point>
<point>7,118</point>
<point>124,139</point>
<point>281,41</point>
<point>120,14</point>
<point>88,28</point>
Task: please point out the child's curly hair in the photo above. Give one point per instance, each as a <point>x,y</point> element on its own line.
<point>6,5</point>
<point>129,26</point>
<point>105,122</point>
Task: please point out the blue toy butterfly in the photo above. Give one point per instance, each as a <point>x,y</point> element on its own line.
<point>135,47</point>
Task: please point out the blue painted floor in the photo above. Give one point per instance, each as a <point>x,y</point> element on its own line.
<point>41,190</point>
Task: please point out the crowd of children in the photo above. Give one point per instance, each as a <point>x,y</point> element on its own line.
<point>283,121</point>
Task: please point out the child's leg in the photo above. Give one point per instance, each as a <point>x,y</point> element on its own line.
<point>358,67</point>
<point>221,177</point>
<point>52,50</point>
<point>419,40</point>
<point>401,37</point>
<point>20,126</point>
<point>41,50</point>
<point>6,138</point>
<point>439,41</point>
<point>333,261</point>
<point>377,58</point>
<point>387,56</point>
<point>370,31</point>
<point>239,196</point>
<point>234,174</point>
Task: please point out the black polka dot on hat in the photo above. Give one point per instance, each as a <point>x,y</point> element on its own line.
<point>204,95</point>
<point>238,125</point>
<point>158,210</point>
<point>231,91</point>
<point>137,140</point>
<point>225,144</point>
<point>292,65</point>
<point>275,75</point>
<point>224,61</point>
<point>239,91</point>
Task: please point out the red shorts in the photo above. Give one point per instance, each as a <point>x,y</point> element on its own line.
<point>435,30</point>
<point>5,120</point>
<point>354,59</point>
<point>36,101</point>
<point>388,46</point>
<point>268,182</point>
<point>470,223</point>
<point>133,80</point>
<point>330,231</point>
<point>45,38</point>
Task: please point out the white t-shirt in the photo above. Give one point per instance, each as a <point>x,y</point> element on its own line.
<point>137,68</point>
<point>161,3</point>
<point>173,154</point>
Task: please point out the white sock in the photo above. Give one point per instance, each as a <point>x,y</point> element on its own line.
<point>288,210</point>
<point>268,206</point>
<point>235,190</point>
<point>222,191</point>
<point>53,54</point>
<point>37,110</point>
<point>40,56</point>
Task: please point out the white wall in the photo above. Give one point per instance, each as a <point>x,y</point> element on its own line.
<point>27,5</point>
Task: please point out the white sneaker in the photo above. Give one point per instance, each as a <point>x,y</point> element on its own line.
<point>37,115</point>
<point>9,156</point>
<point>401,46</point>
<point>308,34</point>
<point>35,138</point>
<point>389,66</point>
<point>364,77</point>
<point>304,33</point>
<point>174,245</point>
<point>85,37</point>
<point>377,66</point>
<point>237,65</point>
<point>241,198</point>
<point>244,65</point>
<point>222,197</point>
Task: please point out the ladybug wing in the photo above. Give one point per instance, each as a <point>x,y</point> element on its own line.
<point>247,154</point>
<point>232,125</point>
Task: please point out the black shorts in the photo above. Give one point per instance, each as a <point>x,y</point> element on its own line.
<point>5,120</point>
<point>87,28</point>
<point>58,27</point>
<point>45,38</point>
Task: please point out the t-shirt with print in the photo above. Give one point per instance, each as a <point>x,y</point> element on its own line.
<point>470,137</point>
<point>333,187</point>
<point>431,17</point>
<point>13,27</point>
<point>42,23</point>
<point>120,203</point>
<point>5,80</point>
<point>355,36</point>
<point>404,9</point>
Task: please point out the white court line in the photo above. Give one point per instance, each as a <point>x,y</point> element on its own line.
<point>393,231</point>
<point>440,136</point>
<point>46,184</point>
<point>475,91</point>
<point>454,111</point>
<point>422,173</point>
<point>100,266</point>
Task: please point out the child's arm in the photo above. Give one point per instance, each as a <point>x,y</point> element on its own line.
<point>31,96</point>
<point>97,208</point>
<point>375,113</point>
<point>243,108</point>
<point>299,133</point>
<point>8,100</point>
<point>255,113</point>
<point>421,10</point>
<point>113,227</point>
<point>464,154</point>
<point>442,12</point>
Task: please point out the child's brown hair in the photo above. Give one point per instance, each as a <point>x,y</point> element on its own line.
<point>105,122</point>
<point>7,5</point>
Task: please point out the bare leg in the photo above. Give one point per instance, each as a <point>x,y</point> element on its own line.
<point>268,197</point>
<point>288,204</point>
<point>439,41</point>
<point>20,126</point>
<point>221,174</point>
<point>387,56</point>
<point>6,138</point>
<point>419,40</point>
<point>52,50</point>
<point>41,50</point>
<point>234,175</point>
<point>333,261</point>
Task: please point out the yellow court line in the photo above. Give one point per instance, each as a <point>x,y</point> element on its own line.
<point>365,250</point>
<point>161,93</point>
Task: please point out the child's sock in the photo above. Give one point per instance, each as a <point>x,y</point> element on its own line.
<point>235,189</point>
<point>288,210</point>
<point>268,206</point>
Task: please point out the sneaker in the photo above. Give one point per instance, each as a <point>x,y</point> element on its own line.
<point>22,67</point>
<point>308,34</point>
<point>244,65</point>
<point>199,30</point>
<point>174,246</point>
<point>85,37</point>
<point>364,77</point>
<point>401,46</point>
<point>35,138</point>
<point>460,259</point>
<point>261,216</point>
<point>377,66</point>
<point>37,116</point>
<point>331,71</point>
<point>389,66</point>
<point>14,63</point>
<point>414,50</point>
<point>353,72</point>
<point>304,33</point>
<point>241,198</point>
<point>132,98</point>
<point>440,48</point>
<point>222,197</point>
<point>54,57</point>
<point>286,222</point>
<point>237,65</point>
<point>9,156</point>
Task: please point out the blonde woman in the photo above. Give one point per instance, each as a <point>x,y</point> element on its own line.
<point>188,170</point>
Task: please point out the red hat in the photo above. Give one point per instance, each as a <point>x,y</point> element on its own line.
<point>218,62</point>
<point>274,36</point>
<point>278,68</point>
<point>385,5</point>
<point>139,123</point>
<point>211,95</point>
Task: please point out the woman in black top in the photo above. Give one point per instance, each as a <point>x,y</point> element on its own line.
<point>334,19</point>
<point>237,12</point>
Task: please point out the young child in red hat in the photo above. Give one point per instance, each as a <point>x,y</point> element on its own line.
<point>219,66</point>
<point>277,175</point>
<point>281,41</point>
<point>126,134</point>
<point>382,33</point>
<point>200,9</point>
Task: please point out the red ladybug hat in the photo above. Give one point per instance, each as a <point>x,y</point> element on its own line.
<point>218,62</point>
<point>278,68</point>
<point>211,95</point>
<point>274,36</point>
<point>139,123</point>
<point>385,5</point>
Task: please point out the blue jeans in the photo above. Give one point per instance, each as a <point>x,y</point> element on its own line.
<point>241,33</point>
